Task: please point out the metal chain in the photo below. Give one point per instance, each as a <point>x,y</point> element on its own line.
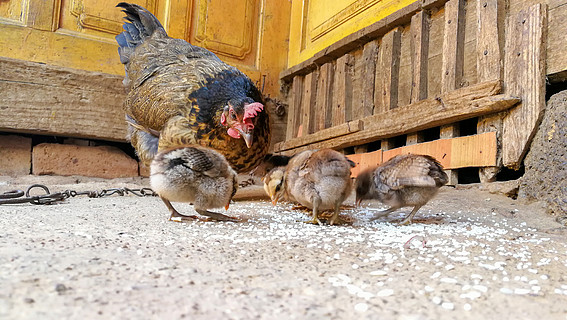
<point>19,196</point>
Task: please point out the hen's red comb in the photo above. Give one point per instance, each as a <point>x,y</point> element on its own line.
<point>251,110</point>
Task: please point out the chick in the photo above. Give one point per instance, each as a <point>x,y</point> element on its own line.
<point>193,174</point>
<point>319,180</point>
<point>404,180</point>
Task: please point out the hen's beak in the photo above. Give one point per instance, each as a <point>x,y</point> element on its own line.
<point>247,136</point>
<point>275,199</point>
<point>226,207</point>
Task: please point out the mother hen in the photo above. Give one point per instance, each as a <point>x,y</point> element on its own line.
<point>180,94</point>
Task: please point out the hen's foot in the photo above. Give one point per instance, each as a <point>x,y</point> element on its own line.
<point>383,213</point>
<point>217,216</point>
<point>315,220</point>
<point>175,215</point>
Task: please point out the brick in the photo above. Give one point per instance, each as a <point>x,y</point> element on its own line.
<point>67,160</point>
<point>15,155</point>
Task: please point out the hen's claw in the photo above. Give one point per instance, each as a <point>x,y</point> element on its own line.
<point>217,216</point>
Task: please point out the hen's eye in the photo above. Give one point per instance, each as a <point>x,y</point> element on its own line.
<point>233,116</point>
<point>278,188</point>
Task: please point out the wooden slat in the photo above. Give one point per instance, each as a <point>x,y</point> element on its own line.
<point>414,138</point>
<point>387,72</point>
<point>342,90</point>
<point>50,100</point>
<point>489,67</point>
<point>462,152</point>
<point>460,104</point>
<point>308,102</point>
<point>524,75</point>
<point>366,106</point>
<point>453,45</point>
<point>323,112</point>
<point>340,130</point>
<point>446,132</point>
<point>419,31</point>
<point>556,42</point>
<point>294,113</point>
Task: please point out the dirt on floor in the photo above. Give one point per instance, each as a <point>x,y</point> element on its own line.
<point>469,255</point>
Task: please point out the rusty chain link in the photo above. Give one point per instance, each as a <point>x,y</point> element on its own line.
<point>19,196</point>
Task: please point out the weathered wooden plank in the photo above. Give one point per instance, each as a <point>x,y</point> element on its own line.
<point>365,106</point>
<point>460,104</point>
<point>324,99</point>
<point>387,72</point>
<point>453,45</point>
<point>342,90</point>
<point>50,100</point>
<point>419,30</point>
<point>340,130</point>
<point>357,72</point>
<point>524,75</point>
<point>294,112</point>
<point>435,54</point>
<point>308,102</point>
<point>489,67</point>
<point>414,138</point>
<point>446,132</point>
<point>557,41</point>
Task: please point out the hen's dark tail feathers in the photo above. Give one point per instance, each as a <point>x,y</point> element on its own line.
<point>140,24</point>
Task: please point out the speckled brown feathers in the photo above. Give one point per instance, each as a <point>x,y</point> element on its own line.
<point>405,180</point>
<point>177,93</point>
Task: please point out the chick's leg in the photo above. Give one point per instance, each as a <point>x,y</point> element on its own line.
<point>175,215</point>
<point>316,204</point>
<point>383,213</point>
<point>216,216</point>
<point>407,220</point>
<point>335,218</point>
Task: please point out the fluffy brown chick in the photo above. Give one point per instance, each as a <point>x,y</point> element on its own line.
<point>194,174</point>
<point>404,180</point>
<point>319,180</point>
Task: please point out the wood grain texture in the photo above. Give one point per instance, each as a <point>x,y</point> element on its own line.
<point>453,45</point>
<point>365,103</point>
<point>342,90</point>
<point>524,75</point>
<point>419,31</point>
<point>387,72</point>
<point>308,98</point>
<point>50,100</point>
<point>294,113</point>
<point>323,113</point>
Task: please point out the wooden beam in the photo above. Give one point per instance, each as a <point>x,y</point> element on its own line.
<point>294,112</point>
<point>308,102</point>
<point>324,99</point>
<point>419,31</point>
<point>369,56</point>
<point>387,72</point>
<point>49,100</point>
<point>342,90</point>
<point>340,130</point>
<point>524,75</point>
<point>489,41</point>
<point>457,105</point>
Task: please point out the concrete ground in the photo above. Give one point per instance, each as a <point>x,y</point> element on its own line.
<point>469,255</point>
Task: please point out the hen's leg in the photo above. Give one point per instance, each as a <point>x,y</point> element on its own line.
<point>315,219</point>
<point>335,218</point>
<point>216,216</point>
<point>407,220</point>
<point>383,213</point>
<point>175,215</point>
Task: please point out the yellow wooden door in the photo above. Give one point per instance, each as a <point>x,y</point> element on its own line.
<point>317,24</point>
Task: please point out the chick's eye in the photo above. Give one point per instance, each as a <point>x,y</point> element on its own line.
<point>233,116</point>
<point>278,188</point>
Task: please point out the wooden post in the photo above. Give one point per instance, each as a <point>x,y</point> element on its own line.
<point>419,31</point>
<point>524,75</point>
<point>342,90</point>
<point>414,138</point>
<point>294,113</point>
<point>308,102</point>
<point>387,72</point>
<point>489,67</point>
<point>453,60</point>
<point>323,113</point>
